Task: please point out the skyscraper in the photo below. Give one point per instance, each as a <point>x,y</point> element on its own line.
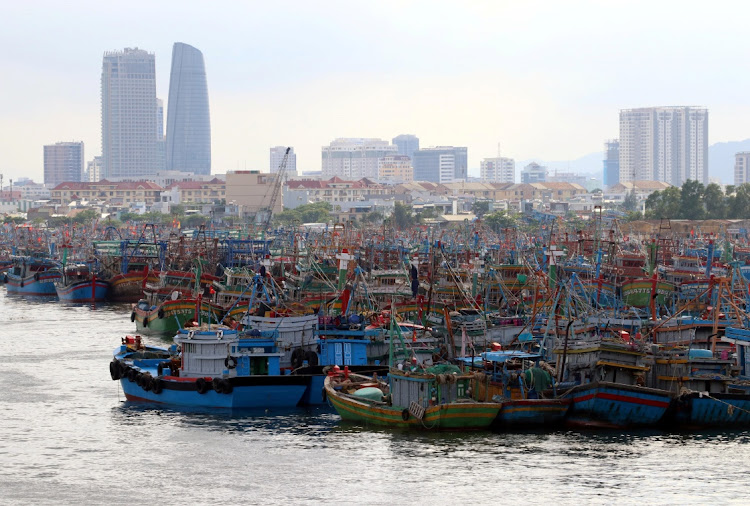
<point>443,164</point>
<point>355,158</point>
<point>161,142</point>
<point>611,163</point>
<point>129,114</point>
<point>407,144</point>
<point>188,121</point>
<point>667,144</point>
<point>63,163</point>
<point>277,155</point>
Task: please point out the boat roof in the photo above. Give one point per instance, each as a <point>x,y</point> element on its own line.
<point>498,356</point>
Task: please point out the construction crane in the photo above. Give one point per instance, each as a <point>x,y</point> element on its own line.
<point>274,189</point>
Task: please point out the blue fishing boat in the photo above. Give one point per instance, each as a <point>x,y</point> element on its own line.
<point>615,405</point>
<point>208,368</point>
<point>79,284</point>
<point>711,393</point>
<point>32,275</point>
<point>608,383</point>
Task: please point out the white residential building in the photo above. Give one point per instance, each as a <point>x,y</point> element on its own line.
<point>667,144</point>
<point>498,170</point>
<point>277,156</point>
<point>741,168</point>
<point>130,117</point>
<point>355,158</point>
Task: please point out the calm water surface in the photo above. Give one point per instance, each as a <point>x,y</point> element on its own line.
<point>67,436</point>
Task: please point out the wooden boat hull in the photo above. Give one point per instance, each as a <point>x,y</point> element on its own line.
<point>601,404</point>
<point>527,413</point>
<point>454,416</point>
<point>128,287</point>
<point>83,291</point>
<point>41,284</point>
<point>699,410</point>
<point>637,293</point>
<point>172,315</point>
<point>253,392</point>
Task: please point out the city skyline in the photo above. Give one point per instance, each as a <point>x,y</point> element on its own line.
<point>572,69</point>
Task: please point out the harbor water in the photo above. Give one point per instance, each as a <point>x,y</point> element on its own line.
<point>68,436</point>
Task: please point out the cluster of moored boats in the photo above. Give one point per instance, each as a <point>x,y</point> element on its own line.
<point>466,331</point>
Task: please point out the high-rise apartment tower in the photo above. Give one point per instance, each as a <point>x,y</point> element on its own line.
<point>129,114</point>
<point>667,144</point>
<point>63,163</point>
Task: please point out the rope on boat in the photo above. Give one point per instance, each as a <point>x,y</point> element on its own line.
<point>730,407</point>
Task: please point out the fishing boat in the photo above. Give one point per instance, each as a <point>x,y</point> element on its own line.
<point>606,377</point>
<point>32,275</point>
<point>410,399</point>
<point>414,395</point>
<point>708,391</point>
<point>78,283</point>
<point>178,298</point>
<point>208,367</point>
<point>526,390</point>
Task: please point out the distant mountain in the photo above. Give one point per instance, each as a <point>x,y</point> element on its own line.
<point>721,159</point>
<point>587,164</point>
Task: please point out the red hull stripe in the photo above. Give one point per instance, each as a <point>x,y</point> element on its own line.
<point>622,398</point>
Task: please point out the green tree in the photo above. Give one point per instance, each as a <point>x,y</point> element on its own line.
<point>691,201</point>
<point>633,216</point>
<point>177,210</point>
<point>480,207</point>
<point>316,212</point>
<point>403,216</point>
<point>86,216</point>
<point>630,203</point>
<point>500,220</point>
<point>664,204</point>
<point>715,202</point>
<point>739,203</point>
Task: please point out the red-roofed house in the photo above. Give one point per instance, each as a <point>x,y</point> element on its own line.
<point>337,190</point>
<point>192,192</point>
<point>115,193</point>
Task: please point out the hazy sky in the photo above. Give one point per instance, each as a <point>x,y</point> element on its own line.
<point>546,79</point>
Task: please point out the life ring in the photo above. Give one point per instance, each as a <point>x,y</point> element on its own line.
<point>230,362</point>
<point>405,415</point>
<point>132,316</point>
<point>160,313</point>
<point>201,385</point>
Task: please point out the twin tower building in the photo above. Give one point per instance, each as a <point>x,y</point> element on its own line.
<point>133,141</point>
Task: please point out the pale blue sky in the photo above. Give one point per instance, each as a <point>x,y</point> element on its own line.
<point>546,79</point>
